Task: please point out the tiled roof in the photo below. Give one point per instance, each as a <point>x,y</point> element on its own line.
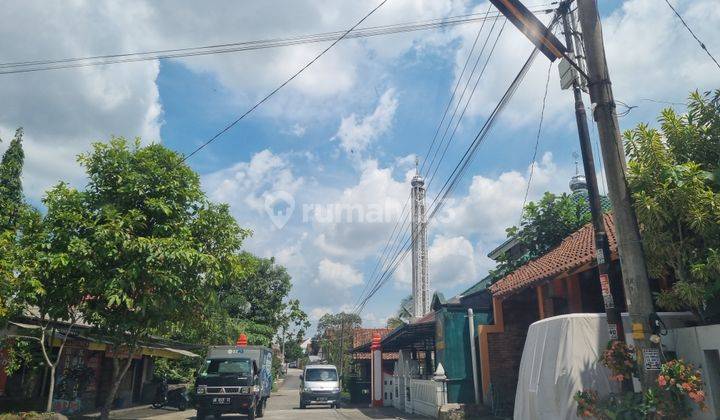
<point>429,317</point>
<point>364,335</point>
<point>575,251</point>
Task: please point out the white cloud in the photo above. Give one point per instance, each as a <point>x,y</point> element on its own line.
<point>64,111</point>
<point>297,130</point>
<point>376,190</point>
<point>356,134</point>
<point>452,261</point>
<point>649,54</point>
<point>248,183</point>
<point>337,275</point>
<point>493,204</point>
<point>316,313</point>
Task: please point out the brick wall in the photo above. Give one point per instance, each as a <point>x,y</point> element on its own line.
<point>505,349</point>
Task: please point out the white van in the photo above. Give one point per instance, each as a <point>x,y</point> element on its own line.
<point>320,385</point>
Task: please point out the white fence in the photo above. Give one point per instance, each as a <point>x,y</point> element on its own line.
<point>426,397</point>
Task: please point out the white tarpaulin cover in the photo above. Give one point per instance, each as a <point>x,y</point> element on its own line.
<point>560,357</point>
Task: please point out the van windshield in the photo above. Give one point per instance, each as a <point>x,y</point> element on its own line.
<point>220,367</point>
<point>320,375</point>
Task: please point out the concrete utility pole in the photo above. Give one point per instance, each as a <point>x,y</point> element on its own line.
<point>632,258</point>
<point>602,253</point>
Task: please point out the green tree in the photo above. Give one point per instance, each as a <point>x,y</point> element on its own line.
<point>152,247</point>
<point>13,214</point>
<point>254,302</point>
<point>674,177</point>
<point>543,226</point>
<point>403,314</point>
<point>293,350</point>
<point>11,192</point>
<point>293,324</point>
<point>57,294</point>
<point>335,334</point>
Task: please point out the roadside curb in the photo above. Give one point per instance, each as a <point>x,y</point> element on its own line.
<point>118,411</point>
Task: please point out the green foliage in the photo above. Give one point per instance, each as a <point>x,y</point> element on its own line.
<point>293,350</point>
<point>335,334</point>
<point>253,302</point>
<point>11,195</point>
<point>176,371</point>
<point>674,176</point>
<point>544,225</point>
<point>16,218</point>
<point>20,352</point>
<point>31,415</point>
<point>144,247</point>
<point>403,314</point>
<point>677,383</point>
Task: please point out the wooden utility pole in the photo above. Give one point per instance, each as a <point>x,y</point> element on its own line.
<point>632,258</point>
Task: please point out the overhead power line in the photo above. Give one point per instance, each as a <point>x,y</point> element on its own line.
<point>702,44</point>
<point>274,91</point>
<point>384,256</point>
<point>537,143</point>
<point>401,252</point>
<point>457,173</point>
<point>455,176</point>
<point>101,60</point>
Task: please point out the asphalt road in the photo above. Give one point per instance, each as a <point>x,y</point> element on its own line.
<point>282,405</point>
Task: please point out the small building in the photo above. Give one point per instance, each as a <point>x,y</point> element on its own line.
<point>83,375</point>
<point>563,281</point>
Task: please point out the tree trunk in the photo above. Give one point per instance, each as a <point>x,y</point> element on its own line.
<point>51,391</point>
<point>118,375</point>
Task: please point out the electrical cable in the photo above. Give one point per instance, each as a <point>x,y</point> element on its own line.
<point>702,44</point>
<point>396,251</point>
<point>467,103</point>
<point>461,166</point>
<point>382,260</point>
<point>101,60</point>
<point>291,78</point>
<point>537,143</point>
<point>454,92</point>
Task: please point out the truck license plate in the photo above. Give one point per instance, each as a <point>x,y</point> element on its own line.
<point>322,399</point>
<point>221,400</point>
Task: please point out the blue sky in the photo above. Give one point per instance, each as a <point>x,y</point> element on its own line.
<point>346,132</point>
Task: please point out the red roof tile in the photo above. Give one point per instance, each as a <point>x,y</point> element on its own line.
<point>365,335</point>
<point>574,251</point>
<point>429,317</point>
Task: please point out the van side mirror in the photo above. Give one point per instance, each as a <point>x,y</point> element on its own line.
<point>302,378</point>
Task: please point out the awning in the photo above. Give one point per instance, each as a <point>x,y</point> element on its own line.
<point>75,339</point>
<point>28,326</point>
<point>418,336</point>
<point>182,352</point>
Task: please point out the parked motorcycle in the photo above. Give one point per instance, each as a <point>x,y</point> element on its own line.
<point>176,397</point>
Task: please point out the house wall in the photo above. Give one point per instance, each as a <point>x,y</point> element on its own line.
<point>504,348</point>
<point>701,347</point>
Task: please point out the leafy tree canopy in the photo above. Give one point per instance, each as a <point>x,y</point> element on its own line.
<point>335,336</point>
<point>16,217</point>
<point>148,246</point>
<point>543,226</point>
<point>674,176</point>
